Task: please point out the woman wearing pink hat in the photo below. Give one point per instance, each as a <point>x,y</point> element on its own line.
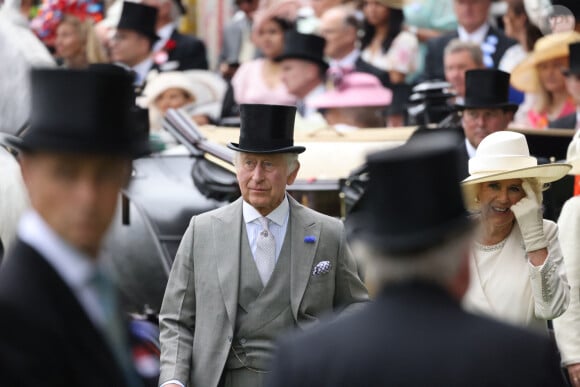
<point>517,269</point>
<point>357,101</point>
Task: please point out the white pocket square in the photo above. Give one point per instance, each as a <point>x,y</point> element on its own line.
<point>321,268</point>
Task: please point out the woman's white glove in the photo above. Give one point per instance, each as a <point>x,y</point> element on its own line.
<point>528,213</point>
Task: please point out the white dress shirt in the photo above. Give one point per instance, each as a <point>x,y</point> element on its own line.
<point>477,36</point>
<point>75,268</point>
<point>164,34</point>
<point>348,61</point>
<point>141,70</point>
<point>278,224</point>
<point>470,148</point>
<point>309,110</point>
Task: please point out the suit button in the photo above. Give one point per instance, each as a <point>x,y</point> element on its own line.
<point>243,341</point>
<point>230,339</point>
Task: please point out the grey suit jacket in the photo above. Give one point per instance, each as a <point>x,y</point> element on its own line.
<point>199,308</point>
<point>233,34</point>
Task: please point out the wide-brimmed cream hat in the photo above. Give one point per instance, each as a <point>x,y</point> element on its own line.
<point>573,155</point>
<point>524,76</point>
<point>194,82</point>
<point>505,155</point>
<point>396,4</point>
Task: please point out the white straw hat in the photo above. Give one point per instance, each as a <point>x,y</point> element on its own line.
<point>505,155</point>
<point>524,76</point>
<point>199,85</point>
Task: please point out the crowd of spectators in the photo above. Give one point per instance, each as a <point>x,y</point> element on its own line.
<point>400,42</point>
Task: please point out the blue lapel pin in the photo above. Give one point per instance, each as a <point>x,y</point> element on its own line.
<point>309,239</point>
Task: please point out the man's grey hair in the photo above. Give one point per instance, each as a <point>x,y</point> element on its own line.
<point>291,160</point>
<point>439,264</point>
<point>456,45</point>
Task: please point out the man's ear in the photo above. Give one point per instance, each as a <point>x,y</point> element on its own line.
<point>291,177</point>
<point>24,161</point>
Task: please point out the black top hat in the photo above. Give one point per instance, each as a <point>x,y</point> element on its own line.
<point>487,89</point>
<point>303,46</point>
<point>87,111</point>
<point>267,129</point>
<point>413,200</point>
<point>140,18</point>
<point>574,60</point>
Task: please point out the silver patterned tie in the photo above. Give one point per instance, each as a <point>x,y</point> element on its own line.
<point>265,252</point>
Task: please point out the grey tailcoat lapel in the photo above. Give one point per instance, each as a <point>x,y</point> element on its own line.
<point>227,232</point>
<point>302,253</point>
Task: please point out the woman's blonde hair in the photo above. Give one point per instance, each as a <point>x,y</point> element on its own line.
<point>95,51</point>
<point>543,98</point>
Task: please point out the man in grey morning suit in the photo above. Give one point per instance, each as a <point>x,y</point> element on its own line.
<point>231,292</point>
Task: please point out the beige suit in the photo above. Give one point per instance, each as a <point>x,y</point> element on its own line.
<point>199,309</point>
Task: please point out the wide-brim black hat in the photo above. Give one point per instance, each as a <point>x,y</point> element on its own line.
<point>573,60</point>
<point>267,129</point>
<point>84,111</point>
<point>303,46</point>
<point>140,18</point>
<point>413,200</point>
<point>487,89</point>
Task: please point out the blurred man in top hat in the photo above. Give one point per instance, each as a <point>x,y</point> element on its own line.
<point>572,73</point>
<point>485,108</point>
<point>258,267</point>
<point>133,42</point>
<point>174,50</point>
<point>303,69</point>
<point>416,236</point>
<point>60,322</point>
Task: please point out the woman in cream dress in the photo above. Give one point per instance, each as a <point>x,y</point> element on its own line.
<point>517,272</point>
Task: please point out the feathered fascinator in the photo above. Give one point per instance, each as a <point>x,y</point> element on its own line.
<point>52,12</point>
